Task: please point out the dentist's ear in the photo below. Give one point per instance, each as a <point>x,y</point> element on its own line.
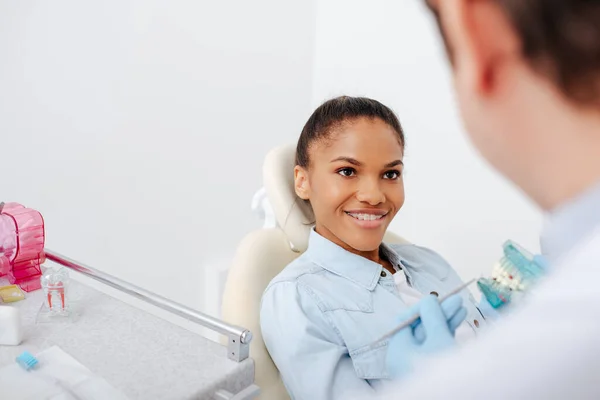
<point>301,185</point>
<point>482,42</point>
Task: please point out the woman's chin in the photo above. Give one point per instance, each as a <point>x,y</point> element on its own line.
<point>362,241</point>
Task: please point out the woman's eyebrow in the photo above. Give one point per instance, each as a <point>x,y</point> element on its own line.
<point>353,161</point>
<point>349,160</point>
<point>394,163</point>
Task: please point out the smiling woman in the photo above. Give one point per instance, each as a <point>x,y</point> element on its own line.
<point>320,315</point>
<point>353,178</point>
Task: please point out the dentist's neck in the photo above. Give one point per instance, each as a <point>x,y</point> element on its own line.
<point>566,163</point>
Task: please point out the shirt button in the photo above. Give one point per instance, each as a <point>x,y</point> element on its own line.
<point>383,274</point>
<point>435,293</point>
<point>476,323</point>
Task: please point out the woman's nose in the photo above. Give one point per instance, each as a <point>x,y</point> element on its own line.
<point>370,192</point>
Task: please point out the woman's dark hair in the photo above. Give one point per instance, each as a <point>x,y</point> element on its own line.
<point>334,113</point>
<point>561,40</point>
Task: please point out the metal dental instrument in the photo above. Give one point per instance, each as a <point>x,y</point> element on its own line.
<point>415,317</point>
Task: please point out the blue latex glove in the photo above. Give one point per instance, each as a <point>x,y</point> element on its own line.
<point>404,348</point>
<point>454,312</point>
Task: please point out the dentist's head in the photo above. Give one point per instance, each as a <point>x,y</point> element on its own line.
<point>527,77</point>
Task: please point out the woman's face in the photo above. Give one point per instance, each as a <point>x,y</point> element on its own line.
<point>354,183</point>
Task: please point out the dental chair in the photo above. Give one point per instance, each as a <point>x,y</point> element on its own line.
<point>262,254</point>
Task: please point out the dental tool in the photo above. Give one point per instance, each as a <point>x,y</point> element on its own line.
<point>511,277</point>
<point>416,317</point>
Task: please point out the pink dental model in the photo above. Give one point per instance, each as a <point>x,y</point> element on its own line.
<point>22,239</point>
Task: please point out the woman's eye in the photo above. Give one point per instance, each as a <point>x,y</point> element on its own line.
<point>392,175</point>
<point>346,172</point>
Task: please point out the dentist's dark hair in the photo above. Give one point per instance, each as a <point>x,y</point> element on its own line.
<point>561,41</point>
<point>332,115</point>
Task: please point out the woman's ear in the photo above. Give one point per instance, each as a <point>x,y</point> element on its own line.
<point>301,185</point>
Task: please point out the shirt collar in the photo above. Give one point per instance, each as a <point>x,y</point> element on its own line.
<point>569,224</point>
<point>337,260</point>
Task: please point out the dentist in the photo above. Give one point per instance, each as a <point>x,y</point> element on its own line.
<point>527,78</point>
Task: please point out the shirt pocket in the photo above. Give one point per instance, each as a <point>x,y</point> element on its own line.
<point>370,362</point>
<point>347,298</point>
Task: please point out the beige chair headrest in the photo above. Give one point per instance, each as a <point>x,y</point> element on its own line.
<point>294,216</point>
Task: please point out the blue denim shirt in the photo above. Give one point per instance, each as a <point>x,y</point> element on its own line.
<point>321,313</point>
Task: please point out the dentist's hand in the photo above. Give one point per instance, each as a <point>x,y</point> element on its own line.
<point>454,313</point>
<point>407,346</point>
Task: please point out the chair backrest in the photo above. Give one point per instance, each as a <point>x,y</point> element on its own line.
<point>262,254</point>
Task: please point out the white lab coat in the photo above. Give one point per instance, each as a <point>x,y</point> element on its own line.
<point>549,349</point>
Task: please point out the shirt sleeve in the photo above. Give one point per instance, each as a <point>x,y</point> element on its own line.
<point>302,341</point>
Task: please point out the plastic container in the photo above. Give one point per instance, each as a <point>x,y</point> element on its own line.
<point>22,239</point>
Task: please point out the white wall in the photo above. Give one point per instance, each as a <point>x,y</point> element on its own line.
<point>138,127</point>
<point>389,50</point>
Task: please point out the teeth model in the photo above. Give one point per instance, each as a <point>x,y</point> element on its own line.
<point>506,274</point>
<point>511,276</point>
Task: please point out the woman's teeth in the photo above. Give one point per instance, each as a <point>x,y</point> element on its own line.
<point>366,217</point>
